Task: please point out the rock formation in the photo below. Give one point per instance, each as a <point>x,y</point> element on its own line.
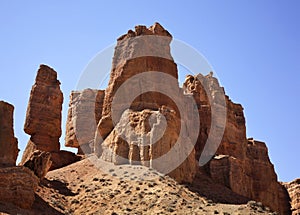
<point>142,50</point>
<point>85,111</point>
<point>240,164</point>
<point>18,185</point>
<point>293,189</point>
<point>144,82</point>
<point>43,119</point>
<point>8,143</point>
<point>39,162</point>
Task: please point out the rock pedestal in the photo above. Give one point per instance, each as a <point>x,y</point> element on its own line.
<point>43,116</point>
<point>43,119</point>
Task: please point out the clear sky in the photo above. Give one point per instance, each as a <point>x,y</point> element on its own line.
<point>253,46</point>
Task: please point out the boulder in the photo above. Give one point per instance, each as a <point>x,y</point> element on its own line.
<point>40,163</point>
<point>63,158</point>
<point>8,143</point>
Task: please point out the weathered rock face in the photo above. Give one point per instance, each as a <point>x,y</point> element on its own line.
<point>240,164</point>
<point>293,189</point>
<point>40,163</point>
<point>43,117</point>
<point>148,138</point>
<point>142,50</point>
<point>8,143</point>
<point>85,111</point>
<point>253,177</point>
<point>18,185</point>
<point>207,91</point>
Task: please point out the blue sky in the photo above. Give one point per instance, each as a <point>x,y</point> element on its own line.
<point>253,46</point>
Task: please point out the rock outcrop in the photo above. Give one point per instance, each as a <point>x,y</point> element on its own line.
<point>43,119</point>
<point>85,111</point>
<point>8,143</point>
<point>39,162</point>
<point>18,185</point>
<point>293,189</point>
<point>240,164</point>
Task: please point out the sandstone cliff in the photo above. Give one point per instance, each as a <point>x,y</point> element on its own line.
<point>240,164</point>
